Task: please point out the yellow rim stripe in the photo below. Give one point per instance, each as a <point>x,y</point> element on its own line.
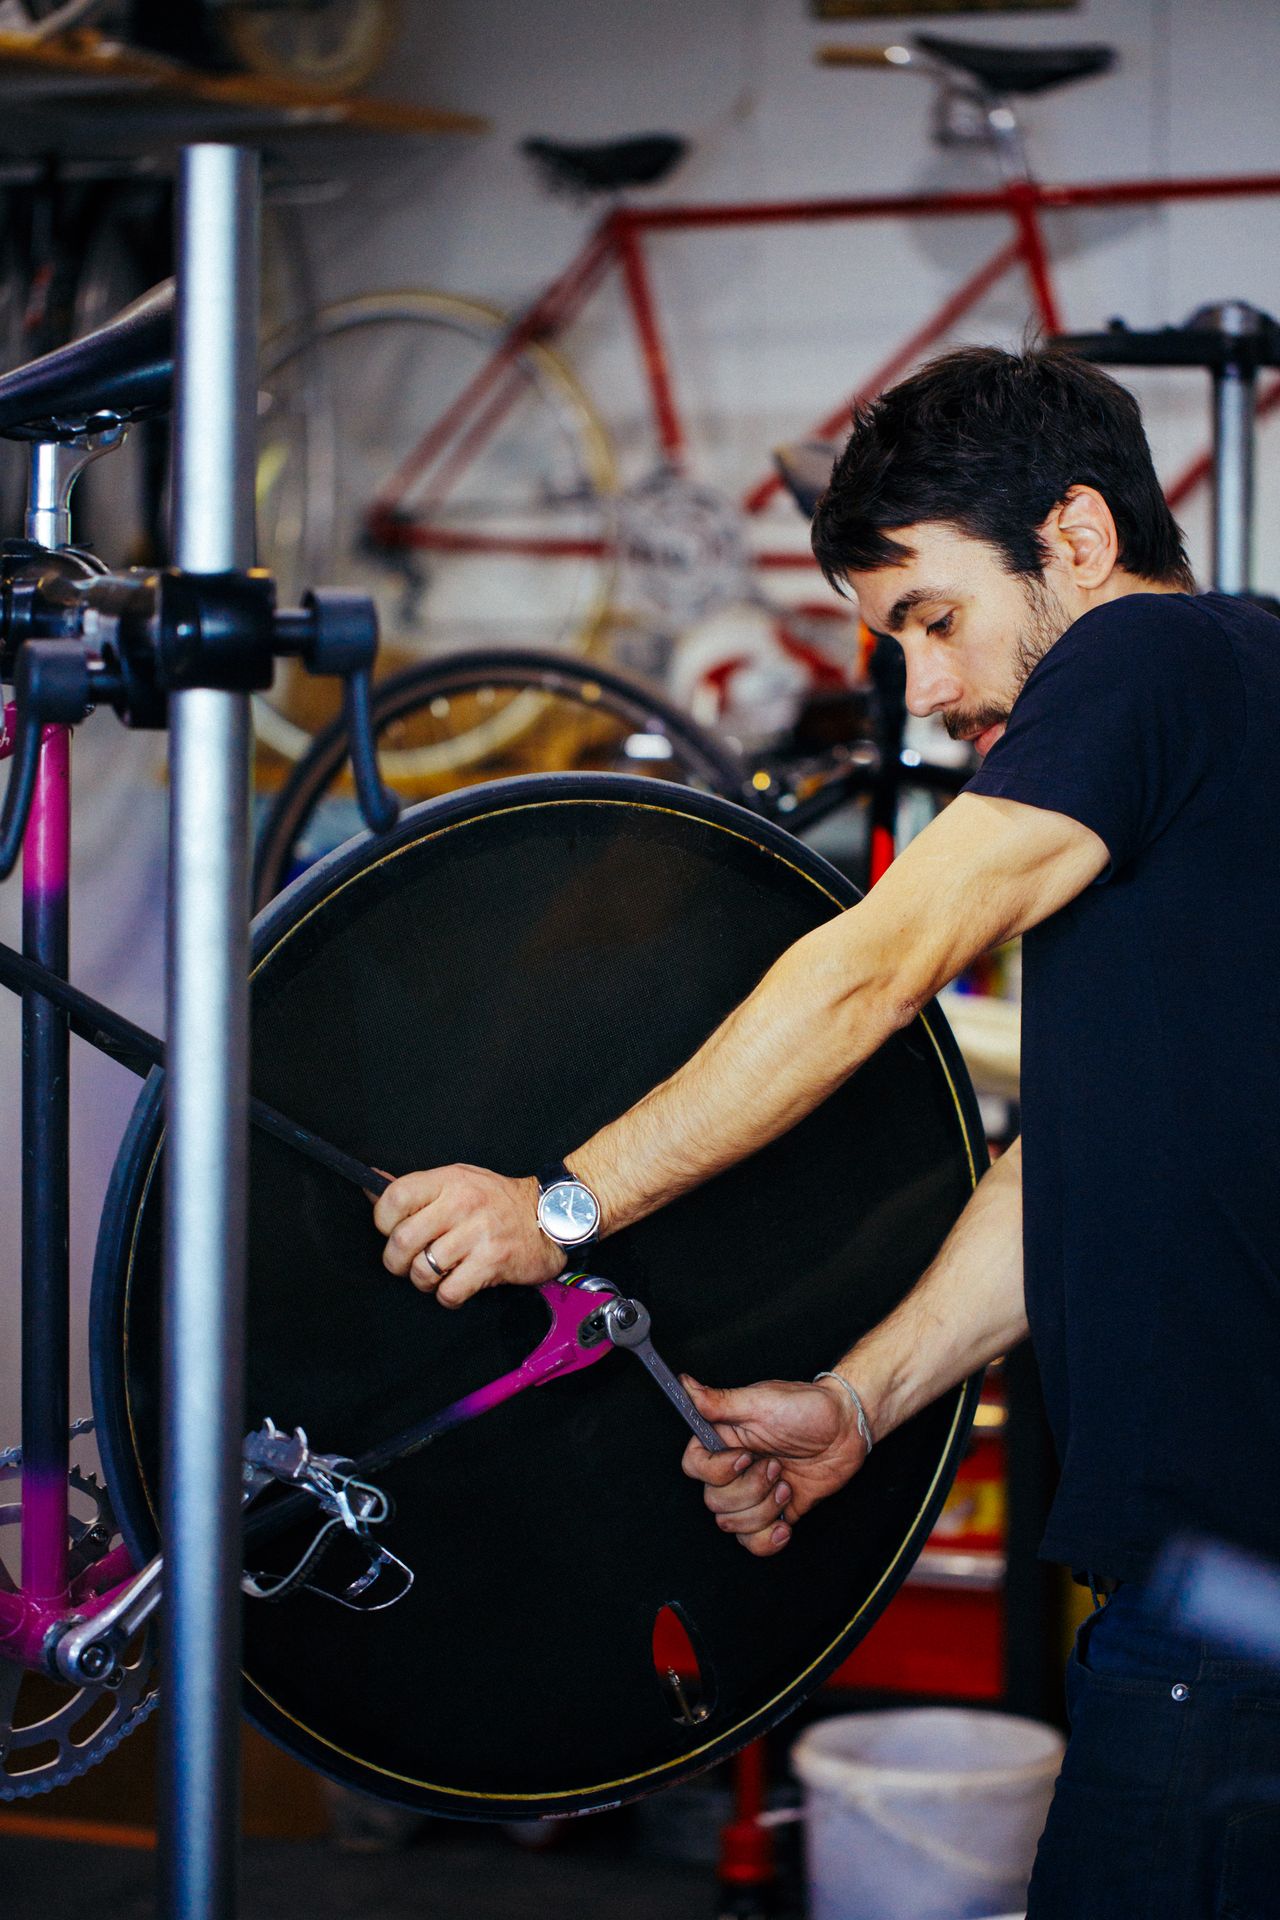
<point>628,1779</point>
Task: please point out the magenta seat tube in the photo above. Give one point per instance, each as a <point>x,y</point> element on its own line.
<point>45,1182</point>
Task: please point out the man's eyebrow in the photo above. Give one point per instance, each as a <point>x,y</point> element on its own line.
<point>901,608</point>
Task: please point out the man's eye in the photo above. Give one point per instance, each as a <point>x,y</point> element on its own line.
<point>941,627</point>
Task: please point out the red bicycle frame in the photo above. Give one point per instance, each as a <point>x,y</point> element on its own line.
<point>618,242</point>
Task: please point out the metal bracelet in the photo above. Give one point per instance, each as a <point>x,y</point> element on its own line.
<point>864,1425</point>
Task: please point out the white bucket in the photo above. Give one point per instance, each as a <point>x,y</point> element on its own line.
<point>925,1813</point>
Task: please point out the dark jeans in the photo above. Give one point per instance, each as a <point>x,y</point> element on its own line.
<point>1161,1811</point>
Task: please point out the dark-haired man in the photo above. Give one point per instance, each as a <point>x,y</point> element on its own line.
<point>998,515</point>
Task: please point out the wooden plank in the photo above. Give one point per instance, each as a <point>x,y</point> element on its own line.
<point>128,72</point>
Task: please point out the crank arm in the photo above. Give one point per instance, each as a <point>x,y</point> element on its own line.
<point>87,1652</point>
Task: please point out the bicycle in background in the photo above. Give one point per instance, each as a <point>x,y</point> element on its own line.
<point>447,457</point>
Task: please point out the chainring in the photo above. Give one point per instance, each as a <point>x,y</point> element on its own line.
<point>50,1732</point>
<point>682,549</point>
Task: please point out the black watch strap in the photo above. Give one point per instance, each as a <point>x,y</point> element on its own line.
<point>550,1176</point>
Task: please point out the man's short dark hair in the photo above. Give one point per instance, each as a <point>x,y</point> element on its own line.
<point>991,442</point>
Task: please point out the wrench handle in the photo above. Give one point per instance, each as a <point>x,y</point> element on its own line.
<point>681,1402</point>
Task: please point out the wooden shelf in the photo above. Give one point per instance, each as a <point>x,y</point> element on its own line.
<point>86,97</point>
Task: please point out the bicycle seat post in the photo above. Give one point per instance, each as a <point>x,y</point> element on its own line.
<point>1235,381</point>
<point>54,467</point>
<point>966,111</point>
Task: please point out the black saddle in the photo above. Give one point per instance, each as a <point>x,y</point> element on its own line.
<point>1017,69</point>
<point>805,468</point>
<point>121,371</point>
<point>640,161</point>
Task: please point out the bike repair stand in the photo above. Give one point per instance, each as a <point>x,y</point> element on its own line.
<point>184,647</point>
<point>207,1025</point>
<point>1233,341</point>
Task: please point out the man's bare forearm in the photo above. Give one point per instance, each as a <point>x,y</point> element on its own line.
<point>811,1021</point>
<point>966,1309</point>
<point>981,872</point>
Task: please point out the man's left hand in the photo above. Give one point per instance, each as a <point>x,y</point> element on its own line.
<point>480,1228</point>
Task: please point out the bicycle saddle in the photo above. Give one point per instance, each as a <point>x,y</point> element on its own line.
<point>805,467</point>
<point>120,371</point>
<point>1017,69</point>
<point>640,161</point>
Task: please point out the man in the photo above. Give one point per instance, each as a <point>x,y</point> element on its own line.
<point>998,515</point>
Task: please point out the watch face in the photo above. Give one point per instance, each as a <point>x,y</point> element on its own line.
<point>568,1212</point>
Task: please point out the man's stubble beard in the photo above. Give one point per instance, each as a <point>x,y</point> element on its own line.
<point>1046,622</point>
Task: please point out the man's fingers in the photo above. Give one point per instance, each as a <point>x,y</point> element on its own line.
<point>711,1401</point>
<point>745,1489</point>
<point>714,1469</point>
<point>466,1280</point>
<point>764,1515</point>
<point>448,1250</point>
<point>770,1540</point>
<point>405,1196</point>
<point>416,1232</point>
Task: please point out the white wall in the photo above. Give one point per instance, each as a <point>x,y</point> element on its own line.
<point>769,327</point>
<point>767,330</point>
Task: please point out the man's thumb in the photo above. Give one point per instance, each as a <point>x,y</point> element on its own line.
<point>711,1401</point>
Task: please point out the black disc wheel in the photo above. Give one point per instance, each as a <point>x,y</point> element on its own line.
<point>473,716</point>
<point>509,969</point>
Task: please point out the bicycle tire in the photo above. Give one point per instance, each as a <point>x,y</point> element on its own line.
<point>699,756</point>
<point>491,981</point>
<point>335,392</point>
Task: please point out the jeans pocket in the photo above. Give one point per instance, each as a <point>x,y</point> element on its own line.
<point>1117,1842</point>
<point>1249,1880</point>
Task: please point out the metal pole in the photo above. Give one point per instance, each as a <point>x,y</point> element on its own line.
<point>206,1153</point>
<point>1234,401</point>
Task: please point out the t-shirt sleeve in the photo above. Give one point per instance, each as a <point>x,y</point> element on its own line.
<point>1125,721</point>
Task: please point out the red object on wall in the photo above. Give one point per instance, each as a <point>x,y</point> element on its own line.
<point>943,1632</point>
<point>932,1640</point>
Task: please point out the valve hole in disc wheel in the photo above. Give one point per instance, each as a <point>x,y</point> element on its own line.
<point>686,1678</point>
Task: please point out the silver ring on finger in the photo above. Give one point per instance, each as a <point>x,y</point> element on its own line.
<point>434,1265</point>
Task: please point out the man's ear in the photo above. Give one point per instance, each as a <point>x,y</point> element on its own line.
<point>1081,535</point>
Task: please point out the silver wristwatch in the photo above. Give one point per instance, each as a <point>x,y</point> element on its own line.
<point>568,1211</point>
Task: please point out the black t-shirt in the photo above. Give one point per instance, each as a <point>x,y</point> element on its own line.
<point>1151,1075</point>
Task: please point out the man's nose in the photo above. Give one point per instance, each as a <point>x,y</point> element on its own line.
<point>930,687</point>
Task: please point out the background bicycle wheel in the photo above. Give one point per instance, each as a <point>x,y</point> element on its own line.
<point>344,404</point>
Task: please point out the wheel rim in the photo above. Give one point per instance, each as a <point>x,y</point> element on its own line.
<point>543,476</point>
<point>602,698</point>
<point>332,48</point>
<point>498,897</point>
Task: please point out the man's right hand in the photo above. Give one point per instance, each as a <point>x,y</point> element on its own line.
<point>790,1445</point>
